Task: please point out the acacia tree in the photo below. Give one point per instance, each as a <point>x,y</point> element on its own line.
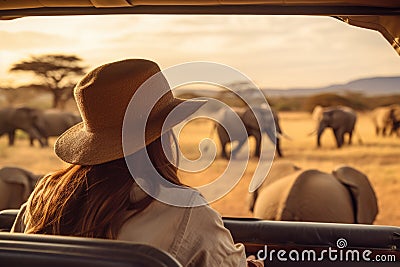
<point>57,72</point>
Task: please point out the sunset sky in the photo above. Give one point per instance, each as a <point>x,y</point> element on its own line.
<point>274,51</point>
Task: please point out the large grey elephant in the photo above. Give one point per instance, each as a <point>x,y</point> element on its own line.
<point>16,184</point>
<point>53,123</point>
<point>292,194</point>
<point>341,120</point>
<point>268,120</point>
<point>12,119</point>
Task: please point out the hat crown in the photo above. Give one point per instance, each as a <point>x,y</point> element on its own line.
<point>104,93</point>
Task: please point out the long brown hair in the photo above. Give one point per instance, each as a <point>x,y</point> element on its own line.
<point>91,201</point>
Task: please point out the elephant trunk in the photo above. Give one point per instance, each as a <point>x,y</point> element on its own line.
<point>278,148</point>
<point>271,134</point>
<point>253,198</point>
<point>275,139</point>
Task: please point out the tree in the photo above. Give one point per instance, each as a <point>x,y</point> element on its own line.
<point>57,72</point>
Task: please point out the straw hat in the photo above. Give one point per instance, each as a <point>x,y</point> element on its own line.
<point>103,96</point>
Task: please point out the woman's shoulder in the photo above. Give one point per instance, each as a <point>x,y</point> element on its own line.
<point>195,236</point>
<point>196,215</point>
<point>206,242</point>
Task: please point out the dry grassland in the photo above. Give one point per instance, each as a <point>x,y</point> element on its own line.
<point>377,157</point>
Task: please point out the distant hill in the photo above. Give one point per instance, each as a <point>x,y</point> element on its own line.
<point>374,86</point>
<point>368,86</point>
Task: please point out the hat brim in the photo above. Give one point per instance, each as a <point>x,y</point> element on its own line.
<point>79,146</point>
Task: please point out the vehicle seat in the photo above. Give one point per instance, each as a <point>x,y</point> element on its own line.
<point>7,218</point>
<point>263,235</point>
<point>26,250</point>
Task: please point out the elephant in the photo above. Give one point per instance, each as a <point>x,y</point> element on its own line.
<point>394,116</point>
<point>16,184</point>
<point>53,123</point>
<point>341,120</point>
<point>21,118</point>
<point>384,119</point>
<point>292,194</point>
<point>249,120</point>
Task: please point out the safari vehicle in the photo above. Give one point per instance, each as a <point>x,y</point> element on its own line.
<point>257,235</point>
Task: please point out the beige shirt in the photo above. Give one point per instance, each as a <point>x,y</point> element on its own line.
<point>195,236</point>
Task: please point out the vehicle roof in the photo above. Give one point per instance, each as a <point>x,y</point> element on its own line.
<point>11,4</point>
<point>383,15</point>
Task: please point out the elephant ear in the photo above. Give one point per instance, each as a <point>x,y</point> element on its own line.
<point>328,114</point>
<point>16,176</point>
<point>250,120</point>
<point>363,195</point>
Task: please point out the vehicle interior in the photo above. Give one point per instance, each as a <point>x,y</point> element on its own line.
<point>36,250</point>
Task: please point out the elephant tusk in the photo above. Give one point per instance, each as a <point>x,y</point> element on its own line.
<point>283,135</point>
<point>312,133</point>
<point>287,137</point>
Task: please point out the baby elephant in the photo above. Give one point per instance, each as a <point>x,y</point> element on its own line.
<point>16,184</point>
<point>292,194</point>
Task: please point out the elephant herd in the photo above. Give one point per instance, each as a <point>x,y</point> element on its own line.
<point>289,193</point>
<point>16,184</point>
<point>340,119</point>
<point>38,124</point>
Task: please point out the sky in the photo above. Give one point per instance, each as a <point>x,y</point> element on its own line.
<point>273,51</point>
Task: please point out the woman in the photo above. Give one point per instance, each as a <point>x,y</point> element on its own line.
<point>96,196</point>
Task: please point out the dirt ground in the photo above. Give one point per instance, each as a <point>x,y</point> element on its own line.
<point>377,157</point>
